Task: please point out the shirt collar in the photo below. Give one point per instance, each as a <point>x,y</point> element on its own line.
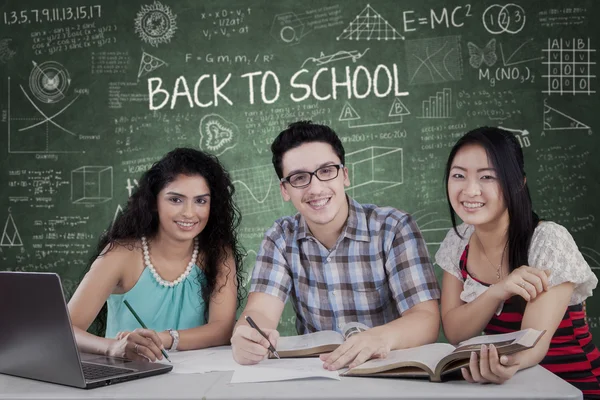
<point>356,227</point>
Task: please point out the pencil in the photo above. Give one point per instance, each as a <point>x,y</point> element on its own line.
<point>253,325</point>
<point>139,320</point>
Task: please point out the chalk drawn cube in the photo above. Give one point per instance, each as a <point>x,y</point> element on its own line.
<point>374,169</point>
<point>91,184</point>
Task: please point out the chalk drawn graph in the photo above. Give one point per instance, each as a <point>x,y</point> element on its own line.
<point>37,133</point>
<point>257,189</point>
<point>434,60</point>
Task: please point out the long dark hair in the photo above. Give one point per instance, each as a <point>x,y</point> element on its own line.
<point>217,240</point>
<point>505,155</point>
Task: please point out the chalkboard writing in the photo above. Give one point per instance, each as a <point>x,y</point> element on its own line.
<point>92,94</point>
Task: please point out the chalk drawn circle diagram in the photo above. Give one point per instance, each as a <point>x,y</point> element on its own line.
<point>498,19</point>
<point>155,24</point>
<point>49,81</point>
<point>288,34</point>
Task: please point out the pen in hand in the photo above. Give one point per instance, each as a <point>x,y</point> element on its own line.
<point>139,320</point>
<point>253,325</point>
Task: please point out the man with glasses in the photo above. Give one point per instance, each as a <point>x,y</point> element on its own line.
<point>339,261</point>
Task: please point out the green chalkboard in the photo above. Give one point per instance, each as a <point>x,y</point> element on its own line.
<point>92,93</point>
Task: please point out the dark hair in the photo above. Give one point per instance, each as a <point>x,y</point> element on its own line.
<point>217,240</point>
<point>505,155</point>
<point>301,132</point>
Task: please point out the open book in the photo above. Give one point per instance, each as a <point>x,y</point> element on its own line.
<point>313,344</point>
<point>435,360</point>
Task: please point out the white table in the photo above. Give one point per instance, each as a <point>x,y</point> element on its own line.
<point>534,383</point>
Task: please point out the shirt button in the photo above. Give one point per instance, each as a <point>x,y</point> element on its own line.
<point>328,259</point>
<point>339,326</point>
<point>333,292</point>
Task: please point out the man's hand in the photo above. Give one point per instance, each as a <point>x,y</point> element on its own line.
<point>490,368</point>
<point>356,350</point>
<point>250,347</point>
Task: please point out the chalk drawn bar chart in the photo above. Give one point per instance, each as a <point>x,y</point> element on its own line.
<point>569,64</point>
<point>438,106</point>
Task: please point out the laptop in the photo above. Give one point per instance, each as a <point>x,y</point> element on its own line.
<point>37,341</point>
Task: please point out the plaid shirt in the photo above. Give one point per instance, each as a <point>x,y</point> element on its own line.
<point>378,269</point>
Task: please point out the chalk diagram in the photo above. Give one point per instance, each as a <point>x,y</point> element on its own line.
<point>592,255</point>
<point>555,120</point>
<point>49,84</point>
<point>522,136</point>
<point>374,169</point>
<point>525,50</point>
<point>155,24</point>
<point>485,55</point>
<point>370,25</point>
<point>149,63</point>
<point>569,66</point>
<point>256,189</point>
<point>397,111</point>
<point>6,53</point>
<point>432,227</point>
<point>10,234</point>
<point>217,134</point>
<point>434,60</point>
<point>91,184</point>
<point>337,56</point>
<point>288,28</point>
<point>509,18</point>
<point>438,106</point>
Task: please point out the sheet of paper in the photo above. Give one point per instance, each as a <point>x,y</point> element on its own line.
<point>309,340</point>
<point>201,361</point>
<point>282,370</point>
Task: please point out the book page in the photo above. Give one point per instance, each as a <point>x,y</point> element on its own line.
<point>308,341</point>
<point>352,328</point>
<point>281,370</point>
<point>429,355</point>
<point>497,340</point>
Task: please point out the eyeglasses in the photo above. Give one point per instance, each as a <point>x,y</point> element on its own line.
<point>301,180</point>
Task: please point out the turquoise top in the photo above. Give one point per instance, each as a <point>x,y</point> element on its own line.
<point>161,308</point>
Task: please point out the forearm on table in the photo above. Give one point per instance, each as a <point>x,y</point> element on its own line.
<point>469,320</point>
<point>88,343</point>
<point>213,333</point>
<point>411,330</point>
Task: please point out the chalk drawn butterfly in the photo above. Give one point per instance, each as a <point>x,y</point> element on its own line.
<point>479,56</point>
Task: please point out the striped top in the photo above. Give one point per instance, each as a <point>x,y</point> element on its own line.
<point>571,355</point>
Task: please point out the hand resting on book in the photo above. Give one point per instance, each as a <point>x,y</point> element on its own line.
<point>356,350</point>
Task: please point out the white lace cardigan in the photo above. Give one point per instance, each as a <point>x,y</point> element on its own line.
<point>552,247</point>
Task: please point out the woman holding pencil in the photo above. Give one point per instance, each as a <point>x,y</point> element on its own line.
<point>169,267</point>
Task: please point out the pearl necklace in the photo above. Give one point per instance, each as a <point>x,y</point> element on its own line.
<point>158,278</point>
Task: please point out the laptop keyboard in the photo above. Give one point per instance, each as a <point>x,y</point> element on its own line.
<point>96,371</point>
